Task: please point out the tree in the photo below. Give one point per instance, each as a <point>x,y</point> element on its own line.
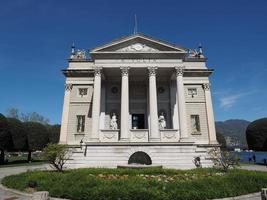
<point>37,136</point>
<point>256,134</point>
<point>18,134</point>
<point>26,117</point>
<point>57,155</point>
<point>54,133</point>
<point>34,117</point>
<point>5,137</point>
<point>223,159</point>
<point>221,140</point>
<point>13,113</point>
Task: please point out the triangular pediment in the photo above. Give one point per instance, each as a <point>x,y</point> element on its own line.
<point>138,43</point>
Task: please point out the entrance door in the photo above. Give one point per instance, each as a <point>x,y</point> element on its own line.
<point>138,121</point>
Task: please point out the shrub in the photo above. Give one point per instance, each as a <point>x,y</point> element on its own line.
<point>57,155</point>
<point>223,159</point>
<point>256,134</point>
<point>91,184</point>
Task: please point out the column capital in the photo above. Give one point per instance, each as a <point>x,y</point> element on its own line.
<point>97,71</point>
<point>68,86</point>
<point>125,71</point>
<point>179,70</point>
<point>206,86</point>
<point>152,71</point>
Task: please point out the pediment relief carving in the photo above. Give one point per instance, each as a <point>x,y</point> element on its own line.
<point>137,47</point>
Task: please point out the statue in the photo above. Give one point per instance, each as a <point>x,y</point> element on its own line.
<point>162,122</point>
<point>78,54</point>
<point>113,122</point>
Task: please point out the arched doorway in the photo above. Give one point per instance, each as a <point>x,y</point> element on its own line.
<point>140,157</point>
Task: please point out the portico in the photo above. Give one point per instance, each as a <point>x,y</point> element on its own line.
<point>141,124</point>
<point>138,94</point>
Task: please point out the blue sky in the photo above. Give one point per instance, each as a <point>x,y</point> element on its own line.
<point>36,36</point>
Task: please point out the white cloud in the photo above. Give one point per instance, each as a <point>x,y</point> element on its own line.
<point>230,100</point>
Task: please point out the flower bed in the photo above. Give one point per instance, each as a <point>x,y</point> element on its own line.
<point>134,184</point>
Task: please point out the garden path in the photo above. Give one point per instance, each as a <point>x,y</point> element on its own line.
<point>9,195</point>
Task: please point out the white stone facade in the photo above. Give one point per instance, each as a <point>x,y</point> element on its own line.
<point>137,79</point>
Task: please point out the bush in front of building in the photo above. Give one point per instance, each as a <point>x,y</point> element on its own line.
<point>257,135</point>
<point>141,184</point>
<point>57,155</point>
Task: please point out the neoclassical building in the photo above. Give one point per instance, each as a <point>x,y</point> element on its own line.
<point>139,100</point>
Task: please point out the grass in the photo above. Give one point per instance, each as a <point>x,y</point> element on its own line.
<point>21,160</point>
<point>140,184</point>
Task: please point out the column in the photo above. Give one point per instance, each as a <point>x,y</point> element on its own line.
<point>181,103</point>
<point>153,106</point>
<point>65,115</point>
<point>96,106</point>
<point>103,106</point>
<point>210,116</point>
<point>124,104</point>
<point>174,105</point>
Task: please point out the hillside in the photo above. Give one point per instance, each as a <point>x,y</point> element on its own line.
<point>234,130</point>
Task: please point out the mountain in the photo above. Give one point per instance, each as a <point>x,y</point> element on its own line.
<point>234,131</point>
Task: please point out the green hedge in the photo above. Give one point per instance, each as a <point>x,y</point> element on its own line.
<point>145,184</point>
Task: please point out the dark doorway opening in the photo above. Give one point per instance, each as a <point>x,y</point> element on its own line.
<point>140,157</point>
<point>138,121</point>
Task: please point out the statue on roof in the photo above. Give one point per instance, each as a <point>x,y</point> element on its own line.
<point>77,54</point>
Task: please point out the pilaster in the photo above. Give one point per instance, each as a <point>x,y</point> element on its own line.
<point>65,114</point>
<point>210,115</point>
<point>181,103</point>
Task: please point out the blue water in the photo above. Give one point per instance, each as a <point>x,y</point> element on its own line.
<point>260,156</point>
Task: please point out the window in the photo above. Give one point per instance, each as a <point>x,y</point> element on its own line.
<point>192,91</point>
<point>80,123</point>
<point>195,124</point>
<point>82,91</point>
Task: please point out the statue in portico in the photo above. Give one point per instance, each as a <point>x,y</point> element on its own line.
<point>162,121</point>
<point>113,122</point>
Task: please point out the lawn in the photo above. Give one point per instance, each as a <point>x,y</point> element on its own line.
<point>140,184</point>
<point>20,159</point>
